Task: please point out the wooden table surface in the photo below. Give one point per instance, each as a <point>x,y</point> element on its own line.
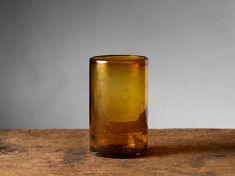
<point>191,152</point>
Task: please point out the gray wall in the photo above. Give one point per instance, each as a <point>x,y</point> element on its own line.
<point>45,46</point>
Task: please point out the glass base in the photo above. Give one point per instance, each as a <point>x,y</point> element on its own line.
<point>116,151</point>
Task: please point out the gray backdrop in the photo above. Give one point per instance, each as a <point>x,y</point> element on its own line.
<point>45,47</point>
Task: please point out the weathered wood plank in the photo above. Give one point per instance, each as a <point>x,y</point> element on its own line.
<point>193,152</point>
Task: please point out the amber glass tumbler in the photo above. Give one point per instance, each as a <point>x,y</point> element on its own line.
<point>118,105</point>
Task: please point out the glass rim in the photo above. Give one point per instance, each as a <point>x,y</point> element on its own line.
<point>119,57</point>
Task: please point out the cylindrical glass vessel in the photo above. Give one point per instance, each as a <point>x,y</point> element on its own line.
<point>118,105</point>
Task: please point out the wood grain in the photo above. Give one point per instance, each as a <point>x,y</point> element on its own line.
<point>192,152</point>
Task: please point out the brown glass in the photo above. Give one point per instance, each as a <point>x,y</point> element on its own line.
<point>118,105</point>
